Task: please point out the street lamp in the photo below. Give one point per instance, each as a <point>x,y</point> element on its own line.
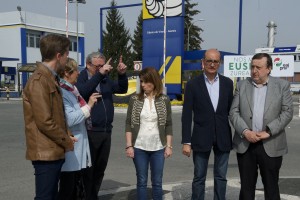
<point>19,8</point>
<point>189,26</point>
<point>83,2</point>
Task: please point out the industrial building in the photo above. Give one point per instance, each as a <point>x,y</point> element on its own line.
<point>20,33</point>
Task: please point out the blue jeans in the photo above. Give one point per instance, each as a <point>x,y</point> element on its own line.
<point>141,160</point>
<point>46,179</point>
<point>220,170</point>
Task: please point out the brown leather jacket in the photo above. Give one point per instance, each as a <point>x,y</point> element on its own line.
<point>46,132</point>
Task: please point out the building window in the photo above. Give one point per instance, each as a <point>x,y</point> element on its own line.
<point>33,39</point>
<point>37,41</point>
<point>73,46</point>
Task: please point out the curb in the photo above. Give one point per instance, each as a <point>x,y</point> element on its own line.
<point>182,190</point>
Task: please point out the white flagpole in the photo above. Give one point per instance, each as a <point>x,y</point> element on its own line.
<point>67,28</point>
<point>165,38</point>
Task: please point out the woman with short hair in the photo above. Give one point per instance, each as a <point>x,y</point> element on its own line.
<point>77,113</point>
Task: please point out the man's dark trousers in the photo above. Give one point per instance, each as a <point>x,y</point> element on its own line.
<point>269,167</point>
<point>100,143</point>
<point>46,178</point>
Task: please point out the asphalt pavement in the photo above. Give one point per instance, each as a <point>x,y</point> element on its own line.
<point>17,178</point>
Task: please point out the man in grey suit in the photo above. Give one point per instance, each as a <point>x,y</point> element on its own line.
<point>260,111</point>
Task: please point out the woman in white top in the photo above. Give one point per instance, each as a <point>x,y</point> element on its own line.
<point>77,112</point>
<point>149,132</point>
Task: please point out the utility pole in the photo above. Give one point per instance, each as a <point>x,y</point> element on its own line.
<point>77,37</point>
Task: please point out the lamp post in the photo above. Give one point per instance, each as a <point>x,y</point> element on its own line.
<point>83,2</point>
<point>240,27</point>
<point>165,45</point>
<point>189,26</point>
<point>19,8</point>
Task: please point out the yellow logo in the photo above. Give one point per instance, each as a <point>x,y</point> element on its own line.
<point>155,8</point>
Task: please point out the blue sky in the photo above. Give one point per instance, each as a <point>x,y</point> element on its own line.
<point>220,25</point>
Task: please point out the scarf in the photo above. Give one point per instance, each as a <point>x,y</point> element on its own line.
<point>73,89</point>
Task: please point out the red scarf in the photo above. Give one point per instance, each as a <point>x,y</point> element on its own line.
<point>75,91</point>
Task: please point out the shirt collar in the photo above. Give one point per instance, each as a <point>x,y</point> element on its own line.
<point>89,74</point>
<point>51,70</point>
<point>145,96</point>
<point>211,82</point>
<point>260,85</point>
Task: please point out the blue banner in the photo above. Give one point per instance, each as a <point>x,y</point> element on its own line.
<point>153,49</point>
<point>284,49</point>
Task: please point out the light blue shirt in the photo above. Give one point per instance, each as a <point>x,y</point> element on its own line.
<point>259,99</point>
<point>213,88</point>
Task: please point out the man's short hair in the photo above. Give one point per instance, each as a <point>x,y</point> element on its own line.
<point>259,56</point>
<point>92,55</point>
<point>52,44</point>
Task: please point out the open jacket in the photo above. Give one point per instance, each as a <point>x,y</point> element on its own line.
<point>46,132</point>
<point>278,112</point>
<point>80,158</point>
<point>164,112</point>
<point>202,126</point>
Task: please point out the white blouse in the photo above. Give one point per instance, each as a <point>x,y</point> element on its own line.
<point>148,137</point>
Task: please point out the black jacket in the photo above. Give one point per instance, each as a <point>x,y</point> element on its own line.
<point>102,113</point>
<point>210,127</point>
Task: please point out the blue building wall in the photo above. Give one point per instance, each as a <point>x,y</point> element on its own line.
<point>23,55</point>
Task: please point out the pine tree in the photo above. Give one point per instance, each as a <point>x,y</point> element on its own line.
<point>137,41</point>
<point>116,40</point>
<point>195,39</point>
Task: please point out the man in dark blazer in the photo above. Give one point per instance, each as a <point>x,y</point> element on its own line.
<point>261,109</point>
<point>207,102</point>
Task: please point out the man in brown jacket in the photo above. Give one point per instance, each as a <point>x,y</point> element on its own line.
<point>46,132</point>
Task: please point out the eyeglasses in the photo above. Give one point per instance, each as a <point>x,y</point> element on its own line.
<point>212,61</point>
<point>97,66</point>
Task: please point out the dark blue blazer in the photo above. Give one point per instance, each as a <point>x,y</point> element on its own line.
<point>210,127</point>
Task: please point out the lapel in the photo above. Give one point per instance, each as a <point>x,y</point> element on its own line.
<point>221,90</point>
<point>270,93</point>
<point>249,93</point>
<point>204,91</point>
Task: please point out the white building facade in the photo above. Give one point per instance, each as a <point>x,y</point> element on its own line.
<point>20,33</point>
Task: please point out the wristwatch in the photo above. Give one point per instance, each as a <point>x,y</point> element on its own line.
<point>242,134</point>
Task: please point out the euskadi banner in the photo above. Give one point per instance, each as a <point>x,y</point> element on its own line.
<point>240,66</point>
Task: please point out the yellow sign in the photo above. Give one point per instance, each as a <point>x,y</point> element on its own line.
<point>173,75</point>
<point>155,8</point>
